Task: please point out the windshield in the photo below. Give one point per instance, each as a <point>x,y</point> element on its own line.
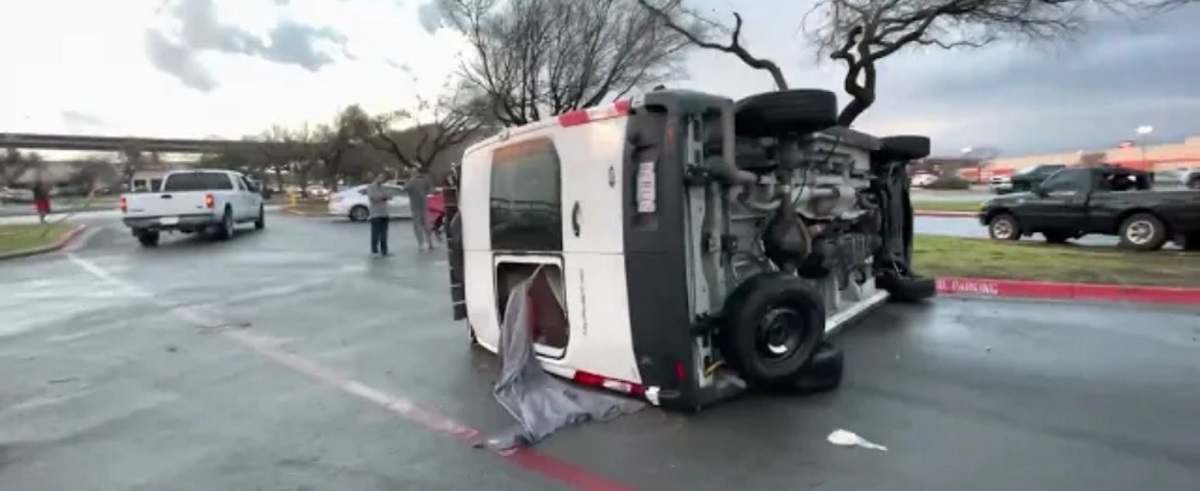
<point>197,181</point>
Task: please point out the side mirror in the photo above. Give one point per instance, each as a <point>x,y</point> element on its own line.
<point>1038,189</point>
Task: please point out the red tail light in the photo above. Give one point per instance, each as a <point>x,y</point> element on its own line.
<point>209,201</point>
<point>594,380</point>
<point>124,205</point>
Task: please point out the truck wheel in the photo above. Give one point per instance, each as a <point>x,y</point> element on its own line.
<point>906,289</point>
<point>905,147</point>
<point>358,213</point>
<point>1004,226</point>
<point>261,222</point>
<point>1143,232</point>
<point>772,326</point>
<point>798,111</point>
<point>823,372</point>
<point>226,230</point>
<point>148,239</point>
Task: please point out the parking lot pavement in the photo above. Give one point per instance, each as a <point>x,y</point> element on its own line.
<point>132,376</point>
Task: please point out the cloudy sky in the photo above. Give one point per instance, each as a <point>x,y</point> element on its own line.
<point>195,68</point>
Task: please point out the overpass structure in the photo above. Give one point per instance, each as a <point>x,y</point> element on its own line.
<point>32,141</point>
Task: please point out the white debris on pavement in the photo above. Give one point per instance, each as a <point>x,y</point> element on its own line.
<point>843,438</point>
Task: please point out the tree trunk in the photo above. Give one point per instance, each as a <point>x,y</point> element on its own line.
<point>852,111</point>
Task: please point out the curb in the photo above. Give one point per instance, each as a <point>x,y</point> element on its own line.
<point>983,287</point>
<point>937,213</point>
<point>66,239</point>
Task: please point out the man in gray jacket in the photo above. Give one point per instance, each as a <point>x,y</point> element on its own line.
<point>377,198</point>
<point>419,187</point>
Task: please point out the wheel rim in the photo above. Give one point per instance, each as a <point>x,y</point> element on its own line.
<point>358,214</point>
<point>1003,229</point>
<point>780,334</point>
<point>1139,232</point>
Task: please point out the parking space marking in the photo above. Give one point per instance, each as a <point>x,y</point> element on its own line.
<point>530,460</point>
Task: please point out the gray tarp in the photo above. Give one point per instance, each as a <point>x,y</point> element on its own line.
<point>540,402</point>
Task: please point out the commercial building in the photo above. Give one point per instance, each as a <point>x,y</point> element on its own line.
<point>1155,158</point>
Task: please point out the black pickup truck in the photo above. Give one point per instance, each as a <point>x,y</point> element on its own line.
<point>1107,200</point>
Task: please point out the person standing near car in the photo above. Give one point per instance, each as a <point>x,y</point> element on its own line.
<point>418,188</point>
<point>41,199</point>
<point>377,204</point>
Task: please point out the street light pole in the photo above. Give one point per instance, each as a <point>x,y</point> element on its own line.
<point>1143,132</point>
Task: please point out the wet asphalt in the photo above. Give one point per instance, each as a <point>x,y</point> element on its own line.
<point>122,372</point>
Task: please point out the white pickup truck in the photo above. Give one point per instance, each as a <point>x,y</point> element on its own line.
<point>200,201</point>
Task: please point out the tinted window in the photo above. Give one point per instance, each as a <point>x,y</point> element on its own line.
<point>526,203</point>
<point>197,181</point>
<point>1067,180</point>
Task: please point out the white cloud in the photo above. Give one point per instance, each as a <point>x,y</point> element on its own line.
<point>89,57</point>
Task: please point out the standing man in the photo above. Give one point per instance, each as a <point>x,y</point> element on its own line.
<point>41,199</point>
<point>419,187</point>
<point>378,197</point>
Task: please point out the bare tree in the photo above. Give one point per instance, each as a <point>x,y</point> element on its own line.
<point>432,128</point>
<point>89,174</point>
<point>132,160</point>
<point>15,165</point>
<point>334,143</point>
<point>860,33</point>
<point>537,58</point>
<point>308,147</point>
<point>697,29</point>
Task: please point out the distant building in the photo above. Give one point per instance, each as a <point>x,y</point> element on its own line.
<point>1127,153</point>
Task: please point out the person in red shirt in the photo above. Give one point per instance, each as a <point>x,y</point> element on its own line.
<point>436,213</point>
<point>41,199</point>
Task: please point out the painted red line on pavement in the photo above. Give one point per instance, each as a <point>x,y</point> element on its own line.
<point>1068,291</point>
<point>549,467</point>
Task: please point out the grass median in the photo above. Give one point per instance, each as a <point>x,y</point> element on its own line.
<point>23,237</point>
<point>981,258</point>
<point>956,205</point>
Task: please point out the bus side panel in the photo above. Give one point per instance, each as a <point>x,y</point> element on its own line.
<point>655,258</point>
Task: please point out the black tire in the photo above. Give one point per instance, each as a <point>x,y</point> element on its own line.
<point>1057,237</point>
<point>1194,183</point>
<point>226,230</point>
<point>906,289</point>
<point>1142,232</point>
<point>148,239</point>
<point>359,213</point>
<point>823,372</point>
<point>261,222</point>
<point>772,325</point>
<point>787,112</point>
<point>1004,226</point>
<point>905,147</point>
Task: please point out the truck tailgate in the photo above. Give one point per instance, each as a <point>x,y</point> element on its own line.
<point>170,204</point>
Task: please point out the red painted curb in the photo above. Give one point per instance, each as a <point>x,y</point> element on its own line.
<point>62,242</point>
<point>937,213</point>
<point>1067,291</point>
